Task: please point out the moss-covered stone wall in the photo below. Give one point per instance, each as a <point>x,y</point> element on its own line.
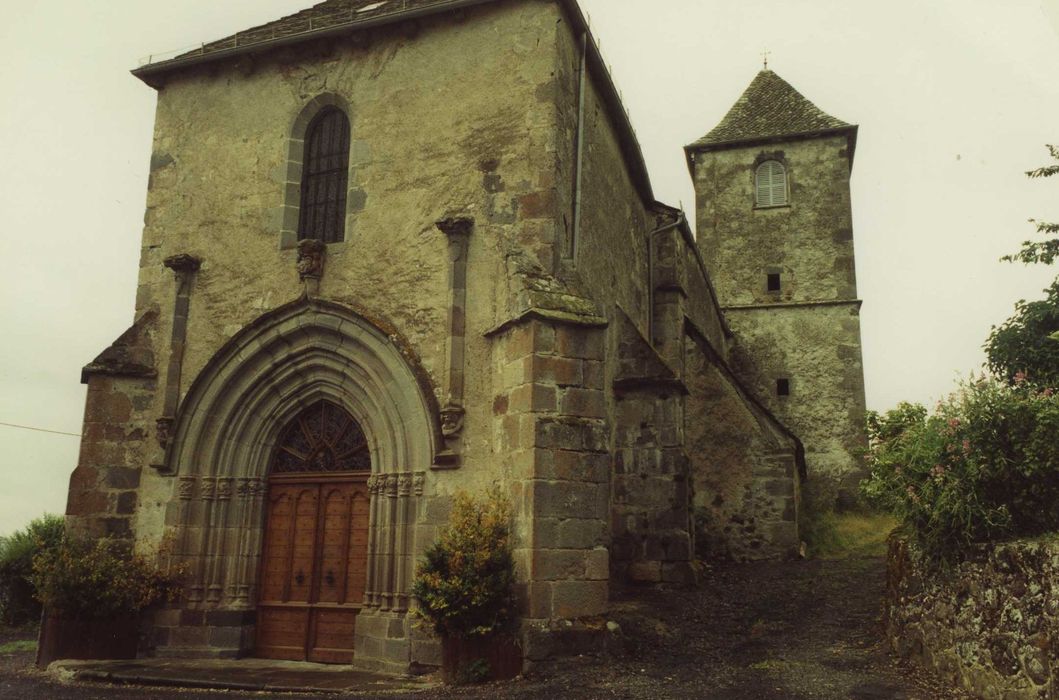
<point>990,624</point>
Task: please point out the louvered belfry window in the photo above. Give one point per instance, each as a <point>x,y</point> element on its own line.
<point>325,175</point>
<point>771,184</point>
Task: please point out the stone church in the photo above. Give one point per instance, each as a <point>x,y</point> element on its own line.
<point>397,249</point>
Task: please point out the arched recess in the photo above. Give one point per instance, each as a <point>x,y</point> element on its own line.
<point>292,192</point>
<point>229,422</point>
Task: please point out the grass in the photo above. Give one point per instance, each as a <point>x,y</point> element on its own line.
<point>19,646</point>
<point>845,535</point>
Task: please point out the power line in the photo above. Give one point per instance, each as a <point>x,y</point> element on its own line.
<point>39,430</point>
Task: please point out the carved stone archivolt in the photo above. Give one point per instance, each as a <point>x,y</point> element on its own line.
<point>253,394</point>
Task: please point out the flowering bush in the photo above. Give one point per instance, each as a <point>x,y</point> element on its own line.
<point>464,584</point>
<point>99,579</point>
<point>984,466</point>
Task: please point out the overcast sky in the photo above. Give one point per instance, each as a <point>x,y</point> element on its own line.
<point>954,99</point>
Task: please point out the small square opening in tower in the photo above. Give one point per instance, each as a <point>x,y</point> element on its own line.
<point>773,284</point>
<point>783,387</point>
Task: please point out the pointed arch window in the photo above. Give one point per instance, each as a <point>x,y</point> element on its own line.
<point>323,438</point>
<point>325,178</point>
<point>771,184</point>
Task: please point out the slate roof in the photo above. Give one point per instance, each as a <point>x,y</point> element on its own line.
<point>769,108</point>
<point>330,14</point>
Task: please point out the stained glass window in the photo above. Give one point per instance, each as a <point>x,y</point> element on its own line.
<point>323,438</point>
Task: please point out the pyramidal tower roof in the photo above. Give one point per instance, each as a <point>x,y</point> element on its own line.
<point>769,109</point>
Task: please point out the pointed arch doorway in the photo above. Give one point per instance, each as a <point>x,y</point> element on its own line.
<point>315,556</point>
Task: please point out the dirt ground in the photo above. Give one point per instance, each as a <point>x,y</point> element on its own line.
<point>796,630</point>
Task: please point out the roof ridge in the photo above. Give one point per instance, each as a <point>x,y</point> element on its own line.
<point>770,107</point>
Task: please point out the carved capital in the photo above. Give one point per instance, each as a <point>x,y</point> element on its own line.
<point>456,226</point>
<point>183,264</point>
<point>187,488</point>
<point>311,258</point>
<point>224,489</point>
<point>209,488</point>
<point>419,480</point>
<point>250,487</point>
<point>391,485</point>
<point>404,485</point>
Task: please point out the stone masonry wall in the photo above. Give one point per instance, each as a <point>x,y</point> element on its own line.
<point>817,349</point>
<point>551,435</point>
<point>809,242</point>
<point>430,139</point>
<point>744,471</point>
<point>807,332</point>
<point>991,624</point>
<point>103,488</point>
<point>613,215</point>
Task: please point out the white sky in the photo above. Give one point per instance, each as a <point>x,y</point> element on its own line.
<point>954,99</point>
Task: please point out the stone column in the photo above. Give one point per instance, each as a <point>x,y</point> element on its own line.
<point>184,266</point>
<point>458,230</point>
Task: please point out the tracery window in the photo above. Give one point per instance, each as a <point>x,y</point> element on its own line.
<point>323,438</point>
<point>325,176</point>
<point>771,184</point>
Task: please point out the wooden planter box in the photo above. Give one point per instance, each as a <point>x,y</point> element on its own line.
<point>64,637</point>
<point>501,654</point>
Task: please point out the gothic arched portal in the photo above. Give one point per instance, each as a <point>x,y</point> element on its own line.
<point>309,389</point>
<point>315,557</point>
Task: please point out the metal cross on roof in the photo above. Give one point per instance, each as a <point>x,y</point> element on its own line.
<point>765,55</point>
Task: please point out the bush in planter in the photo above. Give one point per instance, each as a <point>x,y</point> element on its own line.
<point>18,604</point>
<point>93,592</point>
<point>983,467</point>
<point>464,588</point>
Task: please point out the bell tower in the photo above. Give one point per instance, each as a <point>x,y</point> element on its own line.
<point>775,227</point>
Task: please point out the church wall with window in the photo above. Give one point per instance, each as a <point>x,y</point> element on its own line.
<point>219,186</point>
<point>808,240</point>
<point>786,278</point>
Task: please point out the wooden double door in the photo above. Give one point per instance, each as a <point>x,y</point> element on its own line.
<point>314,567</point>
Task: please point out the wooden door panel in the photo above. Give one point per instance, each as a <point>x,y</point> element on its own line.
<point>279,526</point>
<point>303,551</point>
<point>281,633</point>
<point>333,630</point>
<point>313,571</point>
<point>334,547</point>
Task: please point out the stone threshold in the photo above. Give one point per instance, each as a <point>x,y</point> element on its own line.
<point>252,675</point>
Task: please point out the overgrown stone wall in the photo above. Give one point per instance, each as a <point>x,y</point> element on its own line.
<point>990,624</point>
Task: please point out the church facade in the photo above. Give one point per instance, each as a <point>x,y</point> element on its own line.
<point>397,250</point>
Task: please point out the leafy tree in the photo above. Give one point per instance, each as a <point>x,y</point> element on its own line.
<point>1045,251</point>
<point>1026,346</point>
<point>17,603</point>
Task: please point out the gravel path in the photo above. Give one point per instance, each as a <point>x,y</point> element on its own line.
<point>753,632</point>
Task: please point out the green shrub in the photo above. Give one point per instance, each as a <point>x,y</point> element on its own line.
<point>99,579</point>
<point>464,584</point>
<point>18,606</point>
<point>983,467</point>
